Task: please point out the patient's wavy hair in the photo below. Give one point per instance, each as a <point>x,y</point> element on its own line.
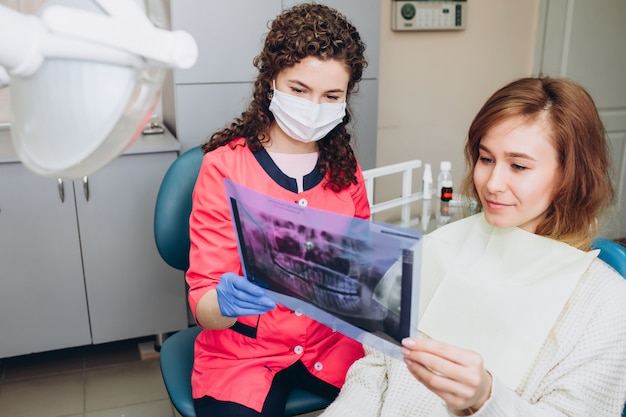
<point>585,189</point>
<point>305,30</point>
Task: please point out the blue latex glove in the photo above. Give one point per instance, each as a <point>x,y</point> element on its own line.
<point>237,297</point>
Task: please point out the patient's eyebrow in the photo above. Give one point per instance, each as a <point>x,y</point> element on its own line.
<point>521,155</point>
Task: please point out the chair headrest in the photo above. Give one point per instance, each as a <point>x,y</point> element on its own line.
<point>612,253</point>
<point>173,207</point>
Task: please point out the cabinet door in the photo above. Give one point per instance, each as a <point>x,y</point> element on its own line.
<point>42,292</point>
<point>364,124</point>
<point>205,108</point>
<point>229,35</point>
<point>584,40</point>
<point>131,291</point>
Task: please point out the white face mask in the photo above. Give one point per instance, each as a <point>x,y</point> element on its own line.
<point>305,120</point>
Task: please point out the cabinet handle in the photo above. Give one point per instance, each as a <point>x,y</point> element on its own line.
<point>61,190</point>
<point>86,187</point>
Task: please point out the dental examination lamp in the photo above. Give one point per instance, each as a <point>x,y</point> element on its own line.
<point>85,78</point>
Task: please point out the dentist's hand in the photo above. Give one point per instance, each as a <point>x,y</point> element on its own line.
<point>237,297</point>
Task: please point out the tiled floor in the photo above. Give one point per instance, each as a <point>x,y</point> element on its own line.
<point>95,381</point>
<point>109,380</point>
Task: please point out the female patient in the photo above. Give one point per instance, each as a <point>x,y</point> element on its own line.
<point>518,317</point>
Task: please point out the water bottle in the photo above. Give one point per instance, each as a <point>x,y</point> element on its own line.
<point>444,185</point>
<point>444,181</point>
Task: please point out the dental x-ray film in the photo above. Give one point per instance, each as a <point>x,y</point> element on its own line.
<point>359,277</point>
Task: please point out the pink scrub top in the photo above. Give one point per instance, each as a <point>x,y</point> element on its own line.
<point>238,364</point>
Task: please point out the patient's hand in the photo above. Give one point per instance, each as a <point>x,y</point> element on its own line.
<point>456,375</point>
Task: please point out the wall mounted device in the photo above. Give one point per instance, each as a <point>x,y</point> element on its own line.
<point>428,15</point>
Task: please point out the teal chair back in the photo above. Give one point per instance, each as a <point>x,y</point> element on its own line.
<point>612,253</point>
<point>171,232</point>
<point>173,207</point>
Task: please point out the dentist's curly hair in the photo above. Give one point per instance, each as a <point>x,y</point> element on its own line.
<point>305,30</point>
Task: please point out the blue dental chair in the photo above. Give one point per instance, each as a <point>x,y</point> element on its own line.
<point>171,232</point>
<point>612,253</point>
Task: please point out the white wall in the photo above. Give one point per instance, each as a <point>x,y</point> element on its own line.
<point>432,83</point>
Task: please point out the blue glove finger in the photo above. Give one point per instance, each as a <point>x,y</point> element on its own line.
<point>249,295</point>
<point>237,297</point>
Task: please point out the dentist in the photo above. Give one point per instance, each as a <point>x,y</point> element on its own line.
<point>291,143</point>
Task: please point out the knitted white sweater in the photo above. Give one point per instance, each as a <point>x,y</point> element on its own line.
<point>580,371</point>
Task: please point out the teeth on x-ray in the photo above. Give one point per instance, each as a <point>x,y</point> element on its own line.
<point>319,263</point>
<point>330,288</point>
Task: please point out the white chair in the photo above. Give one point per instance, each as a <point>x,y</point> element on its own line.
<point>407,197</point>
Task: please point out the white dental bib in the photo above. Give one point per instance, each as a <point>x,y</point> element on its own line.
<point>496,291</point>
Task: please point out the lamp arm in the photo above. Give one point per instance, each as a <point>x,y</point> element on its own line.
<point>175,49</point>
<point>73,48</point>
<point>64,32</point>
<point>20,40</point>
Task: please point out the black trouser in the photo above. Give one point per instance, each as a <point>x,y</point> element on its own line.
<point>296,376</point>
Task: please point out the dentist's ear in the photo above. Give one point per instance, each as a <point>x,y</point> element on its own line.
<point>270,94</point>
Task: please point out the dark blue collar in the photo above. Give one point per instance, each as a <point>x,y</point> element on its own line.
<point>309,181</point>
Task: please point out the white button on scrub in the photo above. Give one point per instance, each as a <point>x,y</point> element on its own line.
<point>302,202</point>
<point>318,366</point>
<point>298,312</point>
<point>298,349</point>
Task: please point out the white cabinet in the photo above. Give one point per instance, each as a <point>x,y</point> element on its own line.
<point>86,269</point>
<point>42,291</point>
<point>130,290</point>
